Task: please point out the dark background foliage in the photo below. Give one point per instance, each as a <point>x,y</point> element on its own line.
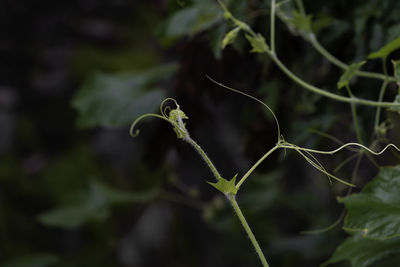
<point>77,190</point>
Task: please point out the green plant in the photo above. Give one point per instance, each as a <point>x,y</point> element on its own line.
<point>230,187</point>
<point>301,23</point>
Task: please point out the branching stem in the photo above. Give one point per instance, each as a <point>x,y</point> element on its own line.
<point>319,91</point>
<point>314,41</point>
<point>232,200</point>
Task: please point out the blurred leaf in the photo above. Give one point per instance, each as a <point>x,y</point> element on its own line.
<point>386,50</point>
<point>362,252</point>
<point>396,101</point>
<point>230,37</point>
<point>301,22</point>
<point>95,206</point>
<point>116,100</point>
<point>258,43</point>
<point>396,69</point>
<point>321,22</point>
<point>375,212</point>
<point>391,261</point>
<point>34,260</point>
<point>348,74</point>
<point>193,19</point>
<point>87,59</point>
<point>216,35</point>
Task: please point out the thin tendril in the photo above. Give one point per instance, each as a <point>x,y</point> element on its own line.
<point>326,229</point>
<point>252,97</point>
<point>345,146</point>
<point>133,125</point>
<point>343,163</point>
<point>315,165</point>
<point>163,111</point>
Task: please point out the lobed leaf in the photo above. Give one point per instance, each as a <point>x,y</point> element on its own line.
<point>95,206</point>
<point>348,74</point>
<point>115,99</point>
<point>301,21</point>
<point>375,211</point>
<point>362,252</point>
<point>225,186</point>
<point>258,43</point>
<point>386,50</point>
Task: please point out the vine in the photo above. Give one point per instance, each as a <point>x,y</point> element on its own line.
<point>231,187</point>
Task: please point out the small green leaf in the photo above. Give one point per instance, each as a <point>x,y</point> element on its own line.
<point>301,22</point>
<point>348,74</point>
<point>115,100</point>
<point>33,260</point>
<point>375,211</point>
<point>386,50</point>
<point>362,252</point>
<point>230,37</point>
<point>225,186</point>
<point>258,43</point>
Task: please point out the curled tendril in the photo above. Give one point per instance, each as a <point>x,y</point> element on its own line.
<point>163,109</point>
<point>349,145</point>
<point>173,116</point>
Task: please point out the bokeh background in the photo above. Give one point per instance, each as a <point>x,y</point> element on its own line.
<point>77,190</point>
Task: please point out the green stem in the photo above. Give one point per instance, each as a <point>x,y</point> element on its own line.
<point>204,157</point>
<point>272,31</point>
<point>247,228</point>
<point>317,90</point>
<point>299,81</point>
<point>357,128</point>
<point>381,94</point>
<point>343,163</point>
<point>313,40</point>
<point>355,117</point>
<point>256,164</point>
<point>231,198</point>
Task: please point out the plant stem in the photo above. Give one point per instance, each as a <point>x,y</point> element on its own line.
<point>204,157</point>
<point>313,40</point>
<point>256,164</point>
<point>355,118</point>
<point>272,31</point>
<point>317,90</point>
<point>231,198</point>
<point>300,6</point>
<point>247,228</point>
<point>381,94</point>
<point>299,81</point>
